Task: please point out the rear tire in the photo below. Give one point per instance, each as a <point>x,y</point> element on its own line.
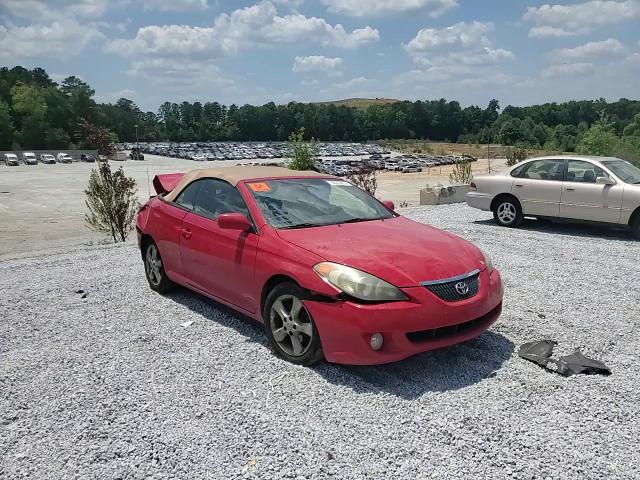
<point>289,326</point>
<point>154,268</point>
<point>508,213</point>
<point>635,227</point>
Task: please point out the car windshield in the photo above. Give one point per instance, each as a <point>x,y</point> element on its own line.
<point>624,171</point>
<point>301,203</point>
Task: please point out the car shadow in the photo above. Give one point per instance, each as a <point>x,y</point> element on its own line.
<point>441,370</point>
<point>567,228</point>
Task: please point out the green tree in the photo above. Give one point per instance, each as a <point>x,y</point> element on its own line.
<point>6,127</point>
<point>303,153</point>
<point>97,137</point>
<point>600,139</point>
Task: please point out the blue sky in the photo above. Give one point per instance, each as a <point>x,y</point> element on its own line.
<point>518,51</point>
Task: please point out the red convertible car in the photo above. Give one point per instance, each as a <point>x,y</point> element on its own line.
<point>331,272</point>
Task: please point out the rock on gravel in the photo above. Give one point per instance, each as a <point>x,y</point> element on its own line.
<point>113,386</point>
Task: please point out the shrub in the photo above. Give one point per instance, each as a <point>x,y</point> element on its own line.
<point>462,173</point>
<point>111,201</point>
<point>366,178</point>
<point>303,153</point>
<point>515,155</point>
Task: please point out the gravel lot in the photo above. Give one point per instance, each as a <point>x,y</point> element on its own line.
<point>112,386</point>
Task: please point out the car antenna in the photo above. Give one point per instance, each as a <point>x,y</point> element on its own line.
<point>148,184</point>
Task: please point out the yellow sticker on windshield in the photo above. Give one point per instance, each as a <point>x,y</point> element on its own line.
<point>260,187</point>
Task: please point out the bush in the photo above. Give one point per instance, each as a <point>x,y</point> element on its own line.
<point>462,173</point>
<point>303,153</point>
<point>366,178</point>
<point>112,202</point>
<point>515,155</point>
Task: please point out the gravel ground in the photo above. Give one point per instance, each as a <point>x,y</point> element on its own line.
<point>113,386</point>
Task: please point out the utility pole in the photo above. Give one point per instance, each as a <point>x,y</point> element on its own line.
<point>137,144</point>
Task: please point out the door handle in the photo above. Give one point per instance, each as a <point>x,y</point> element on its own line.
<point>186,233</point>
<point>519,185</point>
<point>570,189</point>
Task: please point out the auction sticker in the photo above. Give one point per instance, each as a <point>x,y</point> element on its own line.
<point>260,187</point>
<point>339,182</point>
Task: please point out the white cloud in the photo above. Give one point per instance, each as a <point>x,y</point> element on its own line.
<point>309,83</point>
<point>460,35</point>
<point>592,50</point>
<point>251,27</point>
<point>579,19</point>
<point>568,70</point>
<point>175,5</point>
<point>317,63</point>
<point>49,10</point>
<point>358,82</point>
<point>452,51</point>
<point>362,8</point>
<point>61,38</point>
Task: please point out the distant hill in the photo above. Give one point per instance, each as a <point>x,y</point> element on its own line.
<point>360,103</point>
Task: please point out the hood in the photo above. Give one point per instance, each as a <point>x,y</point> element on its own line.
<point>397,250</point>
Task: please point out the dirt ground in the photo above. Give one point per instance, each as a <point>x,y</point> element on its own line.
<point>43,207</point>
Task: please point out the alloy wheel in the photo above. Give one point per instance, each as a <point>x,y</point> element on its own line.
<point>507,213</point>
<point>153,264</point>
<point>291,325</point>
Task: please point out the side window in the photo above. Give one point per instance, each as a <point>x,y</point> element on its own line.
<point>216,197</point>
<point>517,172</point>
<point>543,170</point>
<point>584,172</point>
<point>187,197</point>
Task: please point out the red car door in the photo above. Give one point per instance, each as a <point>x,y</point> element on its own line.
<point>217,261</point>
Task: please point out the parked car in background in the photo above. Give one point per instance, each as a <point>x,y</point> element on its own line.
<point>64,158</point>
<point>87,158</point>
<point>11,159</point>
<point>330,271</point>
<point>47,158</point>
<point>604,190</point>
<point>29,158</point>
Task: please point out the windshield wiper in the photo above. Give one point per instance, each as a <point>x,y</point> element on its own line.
<point>357,220</point>
<point>300,225</point>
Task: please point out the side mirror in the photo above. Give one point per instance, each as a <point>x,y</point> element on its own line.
<point>605,181</point>
<point>389,204</point>
<point>234,221</point>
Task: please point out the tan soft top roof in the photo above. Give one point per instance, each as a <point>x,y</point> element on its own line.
<point>236,174</point>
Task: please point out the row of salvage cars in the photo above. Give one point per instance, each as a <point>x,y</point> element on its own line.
<point>29,158</point>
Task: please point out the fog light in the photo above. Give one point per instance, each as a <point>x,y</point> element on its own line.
<point>376,341</point>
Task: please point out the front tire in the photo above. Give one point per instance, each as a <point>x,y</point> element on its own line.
<point>290,328</point>
<point>154,269</point>
<point>508,213</point>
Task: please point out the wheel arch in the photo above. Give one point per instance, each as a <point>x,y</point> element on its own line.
<point>272,283</point>
<point>145,239</point>
<point>502,196</point>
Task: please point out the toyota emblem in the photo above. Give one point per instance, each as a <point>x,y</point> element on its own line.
<point>462,288</point>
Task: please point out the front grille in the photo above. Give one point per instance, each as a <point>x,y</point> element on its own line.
<point>455,289</point>
<point>451,330</point>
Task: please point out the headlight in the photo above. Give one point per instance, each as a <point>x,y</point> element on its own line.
<point>358,284</point>
<point>487,260</point>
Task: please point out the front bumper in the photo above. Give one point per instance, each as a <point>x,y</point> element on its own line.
<point>423,323</point>
<point>479,200</point>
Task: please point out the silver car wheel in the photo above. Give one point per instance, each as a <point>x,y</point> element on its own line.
<point>291,325</point>
<point>507,212</point>
<point>153,265</point>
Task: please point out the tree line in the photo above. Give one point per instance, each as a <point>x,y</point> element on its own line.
<point>37,112</point>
